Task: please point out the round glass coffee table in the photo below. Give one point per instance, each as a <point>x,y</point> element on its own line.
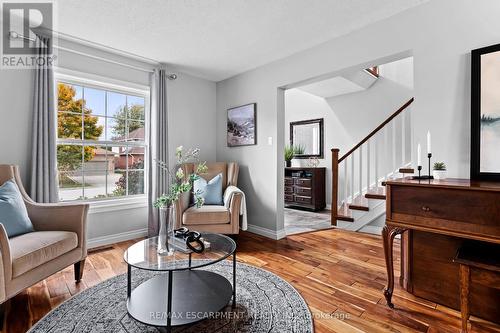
<point>183,293</point>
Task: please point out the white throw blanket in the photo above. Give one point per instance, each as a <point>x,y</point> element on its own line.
<point>228,195</point>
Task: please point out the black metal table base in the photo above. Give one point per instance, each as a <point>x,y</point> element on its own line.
<point>189,296</point>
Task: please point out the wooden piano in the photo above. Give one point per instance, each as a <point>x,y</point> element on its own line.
<point>435,217</point>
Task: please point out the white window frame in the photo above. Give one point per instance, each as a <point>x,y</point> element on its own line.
<point>103,83</point>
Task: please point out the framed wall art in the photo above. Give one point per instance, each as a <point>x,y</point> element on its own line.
<point>485,110</point>
<point>241,125</point>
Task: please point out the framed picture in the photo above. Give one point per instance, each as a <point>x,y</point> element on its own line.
<point>485,107</point>
<point>241,125</point>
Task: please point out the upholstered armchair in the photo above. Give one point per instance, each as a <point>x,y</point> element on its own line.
<point>224,219</point>
<point>59,240</point>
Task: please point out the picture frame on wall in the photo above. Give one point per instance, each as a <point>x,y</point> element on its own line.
<point>485,111</point>
<point>241,125</point>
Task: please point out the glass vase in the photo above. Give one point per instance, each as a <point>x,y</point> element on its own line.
<point>166,231</point>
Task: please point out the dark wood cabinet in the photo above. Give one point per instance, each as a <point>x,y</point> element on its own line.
<point>305,188</point>
<point>435,219</point>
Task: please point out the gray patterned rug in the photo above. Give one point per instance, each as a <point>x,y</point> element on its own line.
<point>265,303</point>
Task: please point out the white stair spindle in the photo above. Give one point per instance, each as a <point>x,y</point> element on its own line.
<point>352,178</point>
<point>360,170</point>
<point>394,167</point>
<point>376,144</point>
<point>410,134</point>
<point>367,165</point>
<point>339,198</point>
<point>386,154</point>
<point>340,190</point>
<point>403,140</point>
<point>345,182</point>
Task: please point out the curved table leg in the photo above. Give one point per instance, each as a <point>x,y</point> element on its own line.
<point>388,234</point>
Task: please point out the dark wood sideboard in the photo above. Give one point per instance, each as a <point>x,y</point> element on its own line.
<point>305,188</point>
<point>435,218</point>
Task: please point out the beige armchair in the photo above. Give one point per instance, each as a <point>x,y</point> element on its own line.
<point>59,240</point>
<point>211,218</point>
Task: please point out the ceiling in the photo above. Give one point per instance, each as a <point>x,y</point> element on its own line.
<point>347,83</point>
<point>332,87</point>
<point>218,39</point>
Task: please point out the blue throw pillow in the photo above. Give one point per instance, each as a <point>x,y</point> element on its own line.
<point>13,213</point>
<point>211,191</point>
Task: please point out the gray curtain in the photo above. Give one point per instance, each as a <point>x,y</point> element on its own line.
<point>158,179</point>
<point>44,148</point>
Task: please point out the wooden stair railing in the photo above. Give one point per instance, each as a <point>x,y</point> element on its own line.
<point>336,160</point>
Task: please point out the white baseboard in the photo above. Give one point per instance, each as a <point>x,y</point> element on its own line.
<point>267,232</point>
<point>115,238</point>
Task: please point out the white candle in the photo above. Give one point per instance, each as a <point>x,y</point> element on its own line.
<point>419,155</point>
<point>428,142</point>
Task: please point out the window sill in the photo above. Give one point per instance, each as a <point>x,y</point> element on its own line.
<point>117,204</point>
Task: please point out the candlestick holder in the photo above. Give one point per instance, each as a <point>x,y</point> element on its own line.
<point>419,168</point>
<point>429,155</point>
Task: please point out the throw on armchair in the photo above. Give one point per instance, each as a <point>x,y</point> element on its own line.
<point>224,219</point>
<point>59,240</point>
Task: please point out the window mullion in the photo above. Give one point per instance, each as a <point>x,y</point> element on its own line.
<point>127,147</point>
<point>82,168</point>
<point>106,146</point>
<point>97,142</point>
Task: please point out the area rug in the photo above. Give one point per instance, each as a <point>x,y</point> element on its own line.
<point>265,303</point>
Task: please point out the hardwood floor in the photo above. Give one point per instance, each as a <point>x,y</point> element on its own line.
<point>340,274</point>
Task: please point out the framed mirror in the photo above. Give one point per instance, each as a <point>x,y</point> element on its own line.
<point>307,137</point>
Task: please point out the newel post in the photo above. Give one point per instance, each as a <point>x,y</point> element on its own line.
<point>335,185</point>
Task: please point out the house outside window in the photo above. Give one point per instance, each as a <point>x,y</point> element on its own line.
<point>101,144</point>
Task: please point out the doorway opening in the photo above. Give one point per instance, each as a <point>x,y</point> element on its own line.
<point>339,111</point>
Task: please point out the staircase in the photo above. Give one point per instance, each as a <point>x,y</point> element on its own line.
<point>358,194</point>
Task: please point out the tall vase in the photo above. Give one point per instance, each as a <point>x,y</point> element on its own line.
<point>166,231</point>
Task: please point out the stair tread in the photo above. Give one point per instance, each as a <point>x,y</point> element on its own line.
<point>344,213</point>
<point>359,203</point>
<point>376,193</point>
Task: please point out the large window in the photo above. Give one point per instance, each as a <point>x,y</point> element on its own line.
<point>101,142</point>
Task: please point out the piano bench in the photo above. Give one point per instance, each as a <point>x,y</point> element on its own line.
<point>479,263</point>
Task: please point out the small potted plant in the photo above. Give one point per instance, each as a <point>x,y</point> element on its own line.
<point>289,154</point>
<point>439,171</point>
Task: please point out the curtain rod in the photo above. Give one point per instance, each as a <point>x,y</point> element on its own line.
<point>16,35</point>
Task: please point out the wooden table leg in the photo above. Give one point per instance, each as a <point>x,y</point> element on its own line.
<point>388,234</point>
<point>464,295</point>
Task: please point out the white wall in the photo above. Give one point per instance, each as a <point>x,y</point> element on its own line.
<point>192,121</point>
<point>439,35</point>
<point>399,71</point>
<point>15,118</point>
<point>363,111</point>
<point>300,105</point>
<point>191,103</point>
